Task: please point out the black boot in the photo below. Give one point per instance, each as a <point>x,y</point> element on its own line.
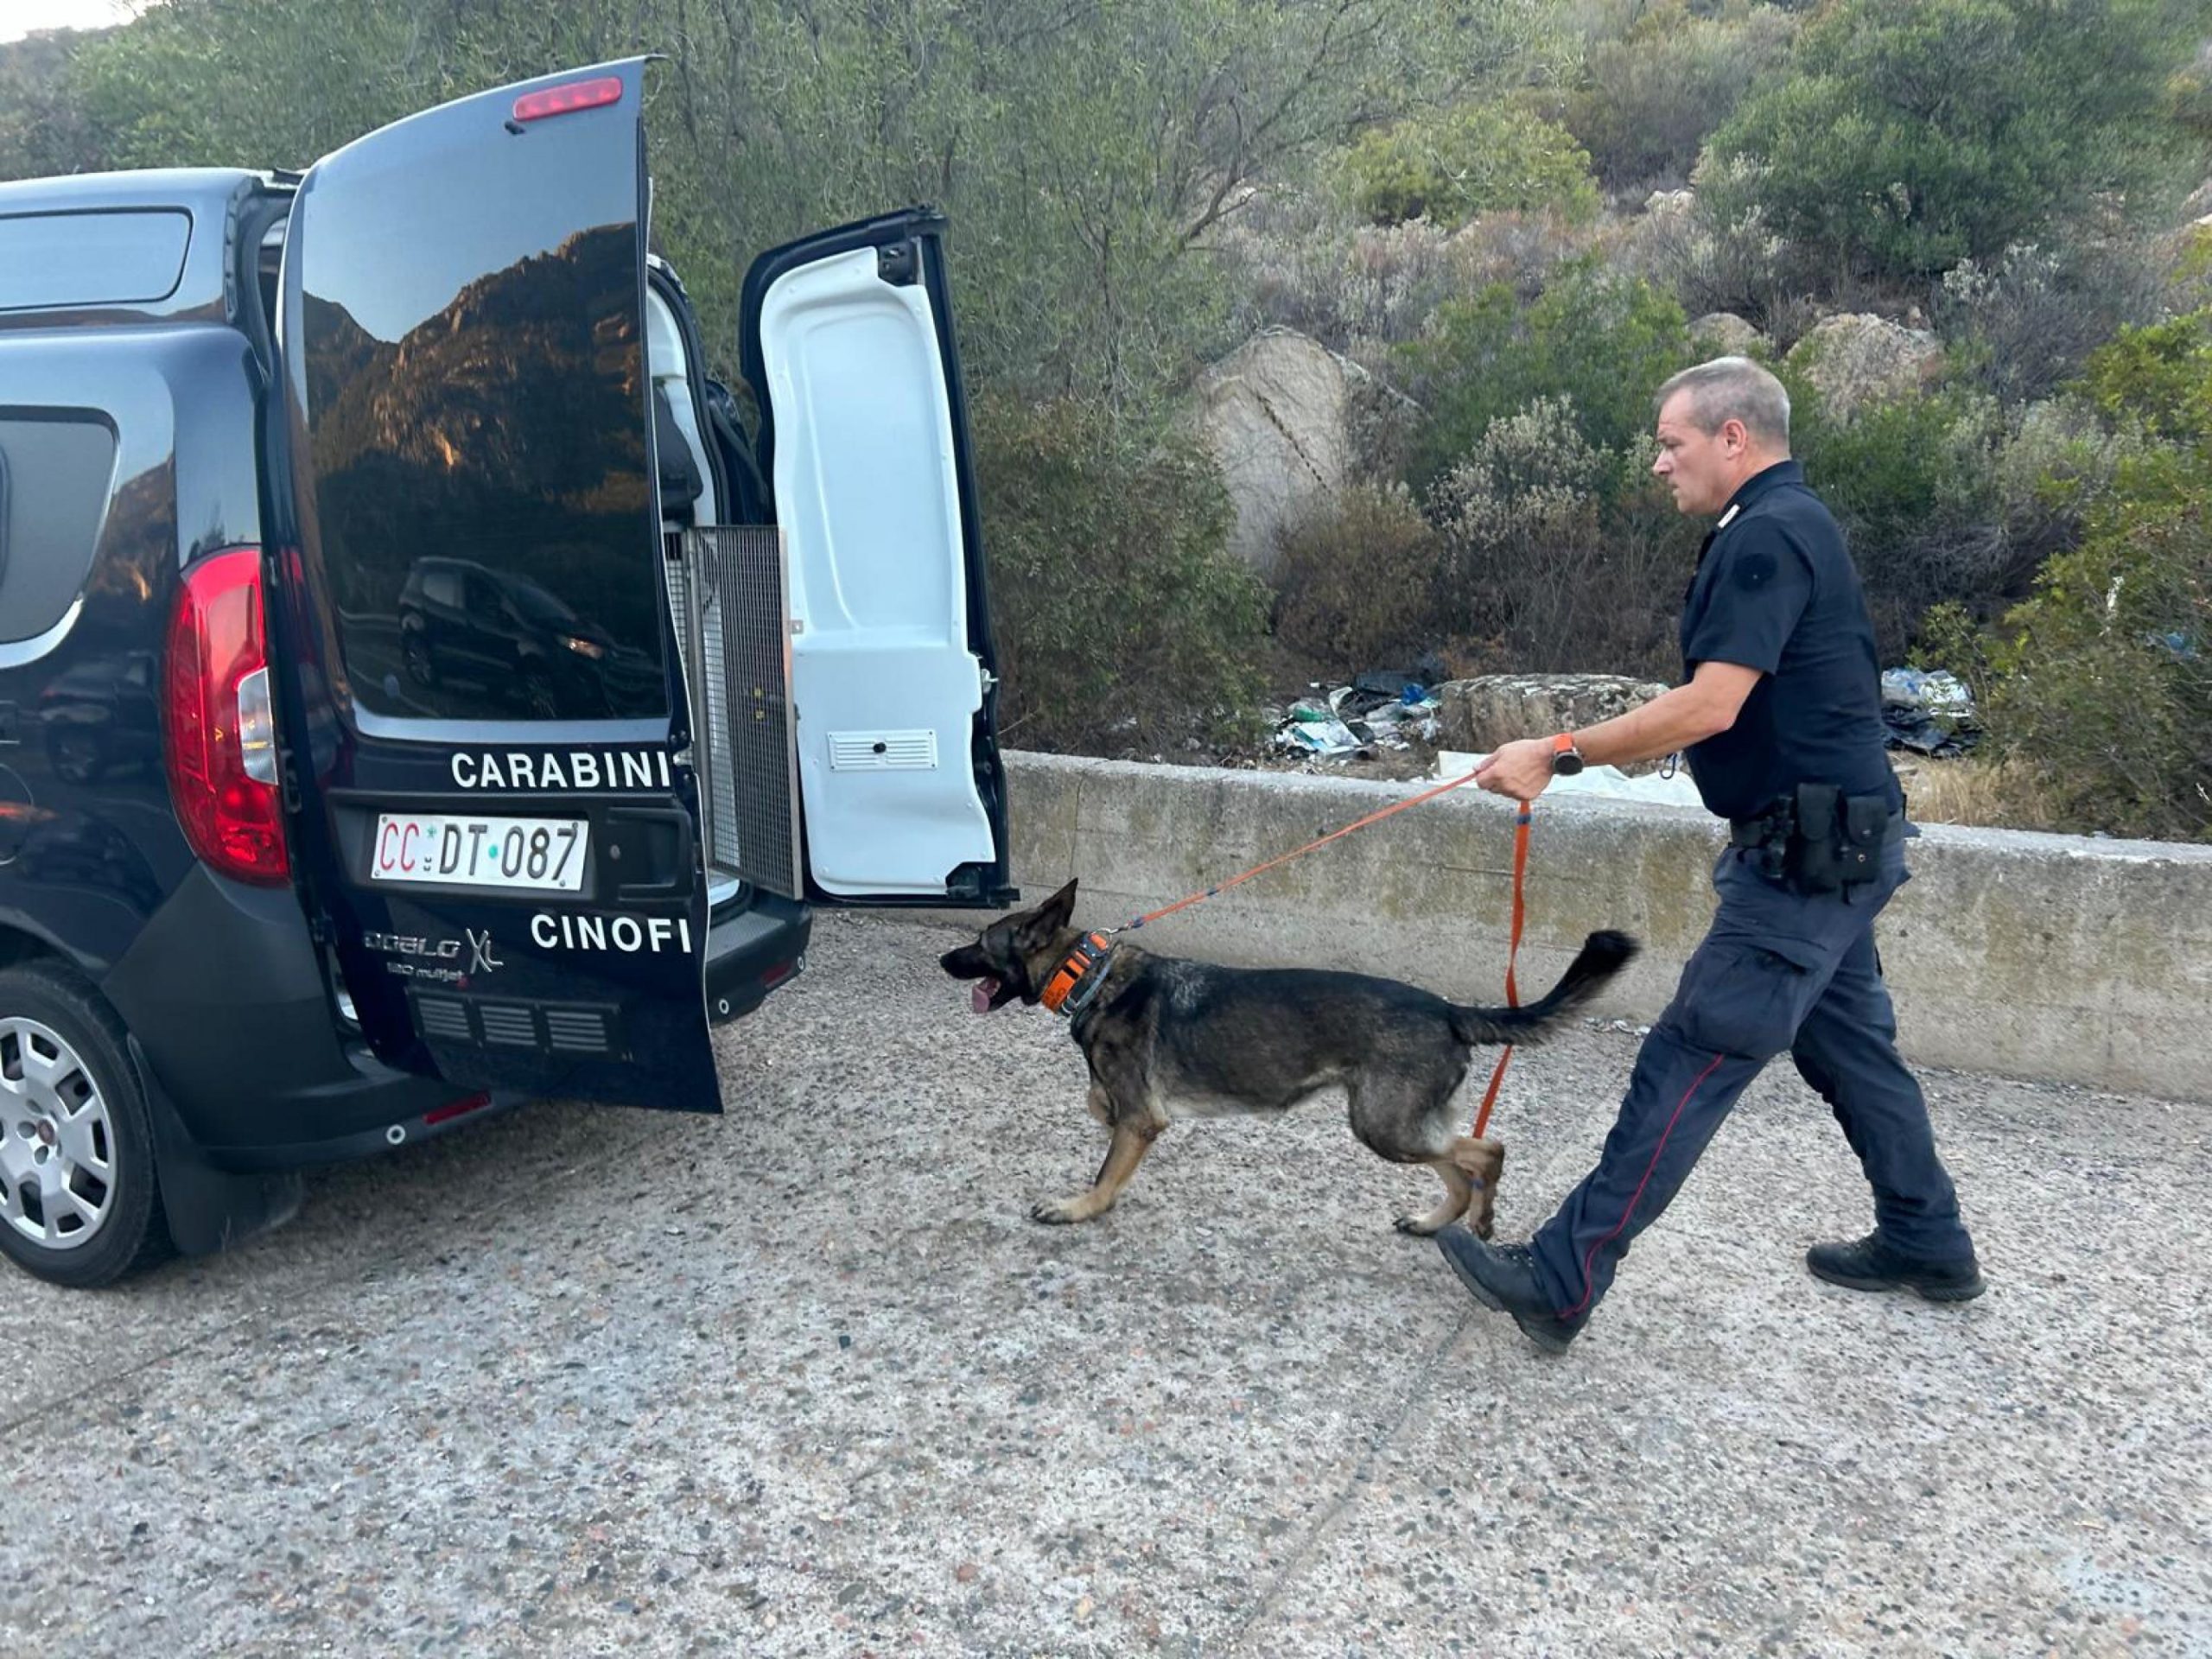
<point>1872,1264</point>
<point>1502,1277</point>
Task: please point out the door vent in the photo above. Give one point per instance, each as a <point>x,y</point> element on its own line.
<point>506,1026</point>
<point>542,1027</point>
<point>576,1031</point>
<point>883,750</point>
<point>443,1018</point>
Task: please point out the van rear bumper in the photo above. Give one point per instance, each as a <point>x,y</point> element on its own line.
<point>225,996</point>
<point>754,944</point>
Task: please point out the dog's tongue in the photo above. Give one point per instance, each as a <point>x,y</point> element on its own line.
<point>981,995</point>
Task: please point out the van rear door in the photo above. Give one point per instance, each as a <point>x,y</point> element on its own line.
<point>485,731</point>
<point>848,343</point>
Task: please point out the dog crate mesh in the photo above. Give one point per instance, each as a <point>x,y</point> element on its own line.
<point>733,626</point>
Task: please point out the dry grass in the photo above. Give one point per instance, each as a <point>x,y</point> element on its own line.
<point>1986,793</point>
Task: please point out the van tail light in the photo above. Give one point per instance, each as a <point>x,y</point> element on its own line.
<point>219,721</point>
<point>568,97</point>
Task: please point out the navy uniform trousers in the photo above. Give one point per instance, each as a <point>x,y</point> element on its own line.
<point>1779,970</point>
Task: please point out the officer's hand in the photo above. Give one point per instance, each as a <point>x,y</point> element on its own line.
<point>1519,771</point>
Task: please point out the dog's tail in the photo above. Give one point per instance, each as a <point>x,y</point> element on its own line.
<point>1602,955</point>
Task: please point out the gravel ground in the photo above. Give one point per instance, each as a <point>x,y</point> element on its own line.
<point>804,1380</point>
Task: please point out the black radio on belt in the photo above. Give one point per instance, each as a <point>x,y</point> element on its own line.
<point>1818,838</point>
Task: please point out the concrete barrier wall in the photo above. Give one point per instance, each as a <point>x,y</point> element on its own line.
<point>2041,956</point>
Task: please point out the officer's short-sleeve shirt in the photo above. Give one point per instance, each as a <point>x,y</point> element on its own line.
<point>1776,591</point>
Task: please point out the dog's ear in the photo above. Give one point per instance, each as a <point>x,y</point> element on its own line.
<point>1053,915</point>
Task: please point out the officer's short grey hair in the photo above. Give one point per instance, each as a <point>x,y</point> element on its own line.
<point>1733,389</point>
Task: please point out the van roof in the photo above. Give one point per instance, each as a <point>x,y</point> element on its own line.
<point>209,198</point>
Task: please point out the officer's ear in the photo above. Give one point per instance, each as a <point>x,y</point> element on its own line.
<point>1735,436</point>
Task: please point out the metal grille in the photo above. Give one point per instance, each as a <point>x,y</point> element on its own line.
<point>568,1028</point>
<point>728,592</point>
<point>445,1017</point>
<point>508,1027</point>
<point>577,1030</point>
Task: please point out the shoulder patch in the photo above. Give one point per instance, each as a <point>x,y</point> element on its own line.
<point>1755,569</point>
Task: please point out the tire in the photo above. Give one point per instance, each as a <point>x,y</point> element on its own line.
<point>80,1201</point>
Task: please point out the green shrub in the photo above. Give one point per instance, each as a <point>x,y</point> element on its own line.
<point>1717,252</point>
<point>2188,94</point>
<point>1478,158</point>
<point>1355,584</point>
<point>2022,323</point>
<point>2157,379</point>
<point>2104,690</point>
<point>2057,463</point>
<point>1599,338</point>
<point>1914,133</point>
<point>1649,101</point>
<point>1570,556</point>
<point>1341,281</point>
<point>1950,637</point>
<point>1122,617</point>
<point>1083,156</point>
<point>1913,483</point>
<point>2100,689</point>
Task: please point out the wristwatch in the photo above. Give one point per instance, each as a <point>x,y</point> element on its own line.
<point>1566,760</point>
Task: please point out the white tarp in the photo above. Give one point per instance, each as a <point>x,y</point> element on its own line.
<point>1609,781</point>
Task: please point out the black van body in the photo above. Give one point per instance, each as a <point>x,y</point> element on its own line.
<point>420,689</point>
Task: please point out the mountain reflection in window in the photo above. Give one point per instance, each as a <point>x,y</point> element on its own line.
<point>485,521</point>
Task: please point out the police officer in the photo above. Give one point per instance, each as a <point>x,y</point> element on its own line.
<point>1780,722</point>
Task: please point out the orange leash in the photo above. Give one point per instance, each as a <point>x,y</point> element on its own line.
<point>1512,955</point>
<point>1299,851</point>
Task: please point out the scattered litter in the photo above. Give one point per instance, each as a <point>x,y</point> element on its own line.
<point>1326,736</point>
<point>1931,714</point>
<point>1937,693</point>
<point>1653,788</point>
<point>1388,682</point>
<point>1377,711</point>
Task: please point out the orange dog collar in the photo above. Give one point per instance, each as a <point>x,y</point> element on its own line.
<point>1078,978</point>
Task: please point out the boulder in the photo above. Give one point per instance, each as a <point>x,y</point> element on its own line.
<point>1726,333</point>
<point>1276,414</point>
<point>1856,358</point>
<point>1478,715</point>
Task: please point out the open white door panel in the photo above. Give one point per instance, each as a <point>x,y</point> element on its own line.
<point>897,770</point>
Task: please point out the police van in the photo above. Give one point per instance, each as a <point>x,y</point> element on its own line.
<point>423,685</point>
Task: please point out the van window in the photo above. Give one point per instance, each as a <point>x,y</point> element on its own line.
<point>113,258</point>
<point>57,475</point>
<point>470,374</point>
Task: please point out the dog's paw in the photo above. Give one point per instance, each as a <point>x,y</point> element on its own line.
<point>1059,1212</point>
<point>1417,1226</point>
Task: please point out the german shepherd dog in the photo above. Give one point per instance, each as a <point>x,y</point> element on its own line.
<point>1168,1038</point>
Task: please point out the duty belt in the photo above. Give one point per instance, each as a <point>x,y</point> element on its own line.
<point>1818,839</point>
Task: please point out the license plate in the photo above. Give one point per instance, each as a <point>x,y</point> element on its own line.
<point>522,855</point>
